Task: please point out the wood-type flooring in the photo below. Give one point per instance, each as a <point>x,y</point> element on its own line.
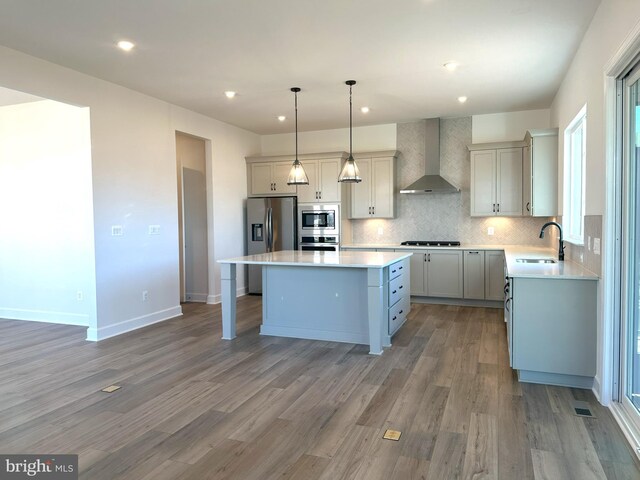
<point>193,406</point>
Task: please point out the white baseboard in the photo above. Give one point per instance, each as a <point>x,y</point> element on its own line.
<point>197,297</point>
<point>102,333</point>
<point>215,299</point>
<point>63,318</point>
<point>596,389</point>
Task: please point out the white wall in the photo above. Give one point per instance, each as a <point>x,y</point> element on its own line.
<point>134,180</point>
<point>46,232</point>
<point>365,139</point>
<point>508,126</point>
<point>583,84</point>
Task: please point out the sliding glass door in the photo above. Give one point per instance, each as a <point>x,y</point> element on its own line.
<point>630,278</point>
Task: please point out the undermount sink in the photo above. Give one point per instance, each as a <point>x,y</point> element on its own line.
<point>535,260</point>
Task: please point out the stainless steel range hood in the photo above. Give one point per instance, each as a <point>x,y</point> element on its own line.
<point>431,181</point>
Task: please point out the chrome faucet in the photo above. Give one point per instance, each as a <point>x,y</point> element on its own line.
<point>561,243</point>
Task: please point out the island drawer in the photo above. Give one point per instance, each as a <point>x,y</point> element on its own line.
<point>397,314</point>
<point>398,268</point>
<point>397,289</point>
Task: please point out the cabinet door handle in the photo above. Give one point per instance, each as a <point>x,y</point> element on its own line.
<point>320,195</point>
<point>374,210</point>
<point>428,257</point>
<point>494,208</point>
<point>425,257</point>
<point>498,208</point>
<point>528,209</point>
<point>506,305</point>
<point>473,253</point>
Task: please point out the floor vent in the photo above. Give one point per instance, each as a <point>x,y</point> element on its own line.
<point>583,412</point>
<point>582,409</point>
<point>392,435</point>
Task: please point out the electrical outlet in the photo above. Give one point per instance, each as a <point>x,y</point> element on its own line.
<point>491,231</point>
<point>380,230</point>
<point>79,296</point>
<point>596,246</point>
<point>589,243</point>
<point>154,229</point>
<point>117,230</point>
<point>145,295</point>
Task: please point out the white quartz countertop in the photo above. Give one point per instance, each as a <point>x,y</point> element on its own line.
<point>558,270</point>
<point>346,259</point>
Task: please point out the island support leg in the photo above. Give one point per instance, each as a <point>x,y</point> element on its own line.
<point>228,274</point>
<point>376,309</point>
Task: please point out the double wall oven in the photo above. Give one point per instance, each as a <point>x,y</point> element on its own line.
<point>319,227</point>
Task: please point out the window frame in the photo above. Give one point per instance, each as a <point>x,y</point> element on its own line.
<point>569,197</point>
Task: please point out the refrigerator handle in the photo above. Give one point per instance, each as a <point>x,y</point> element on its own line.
<point>269,229</point>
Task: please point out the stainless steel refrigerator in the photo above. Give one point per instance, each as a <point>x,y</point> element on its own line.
<point>271,226</point>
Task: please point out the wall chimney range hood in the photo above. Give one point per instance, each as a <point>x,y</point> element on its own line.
<point>431,181</point>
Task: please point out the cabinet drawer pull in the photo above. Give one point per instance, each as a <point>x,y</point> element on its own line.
<point>400,268</point>
<point>393,271</point>
<point>473,253</point>
<point>393,292</point>
<point>400,312</point>
<point>400,287</point>
<point>528,203</point>
<point>393,319</point>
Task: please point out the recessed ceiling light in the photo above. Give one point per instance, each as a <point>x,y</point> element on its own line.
<point>282,118</point>
<point>462,99</point>
<point>230,94</point>
<point>451,66</point>
<point>364,109</point>
<point>125,45</point>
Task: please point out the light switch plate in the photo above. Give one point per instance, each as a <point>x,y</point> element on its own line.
<point>154,229</point>
<point>117,230</point>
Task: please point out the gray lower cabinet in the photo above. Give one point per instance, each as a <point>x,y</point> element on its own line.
<point>398,291</point>
<point>494,275</point>
<point>474,274</point>
<point>484,275</point>
<point>551,329</point>
<point>437,273</point>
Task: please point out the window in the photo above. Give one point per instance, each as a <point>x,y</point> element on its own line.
<point>575,137</point>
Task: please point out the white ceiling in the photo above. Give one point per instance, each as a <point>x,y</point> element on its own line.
<point>512,53</point>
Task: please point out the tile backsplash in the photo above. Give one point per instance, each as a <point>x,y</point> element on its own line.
<point>443,216</point>
<point>586,254</point>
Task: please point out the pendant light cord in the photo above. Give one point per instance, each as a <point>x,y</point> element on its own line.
<point>296,104</point>
<point>350,124</point>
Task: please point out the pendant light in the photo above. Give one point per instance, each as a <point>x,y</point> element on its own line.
<point>350,172</point>
<point>297,175</point>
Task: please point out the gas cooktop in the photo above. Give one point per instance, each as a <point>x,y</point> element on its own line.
<point>431,243</point>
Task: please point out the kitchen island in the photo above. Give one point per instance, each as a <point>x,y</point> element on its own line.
<point>354,297</point>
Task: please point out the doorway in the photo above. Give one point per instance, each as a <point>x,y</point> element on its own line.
<point>630,246</point>
<point>192,218</point>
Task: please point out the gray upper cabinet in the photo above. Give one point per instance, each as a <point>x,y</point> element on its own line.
<point>540,173</point>
<point>374,196</point>
<point>268,176</point>
<point>496,179</point>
